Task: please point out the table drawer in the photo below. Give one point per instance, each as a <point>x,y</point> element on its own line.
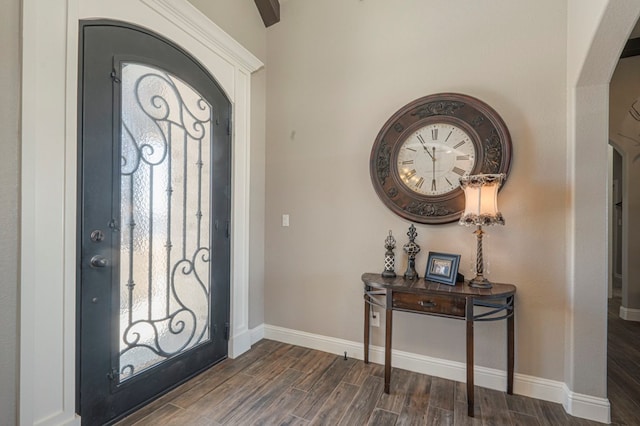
<point>433,304</point>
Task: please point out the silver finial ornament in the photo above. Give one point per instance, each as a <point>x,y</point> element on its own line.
<point>389,257</point>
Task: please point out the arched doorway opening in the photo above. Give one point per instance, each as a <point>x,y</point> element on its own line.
<point>597,34</point>
<point>624,303</point>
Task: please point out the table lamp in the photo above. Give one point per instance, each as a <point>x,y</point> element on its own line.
<point>481,209</point>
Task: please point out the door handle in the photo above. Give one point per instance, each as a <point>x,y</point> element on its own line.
<point>98,261</point>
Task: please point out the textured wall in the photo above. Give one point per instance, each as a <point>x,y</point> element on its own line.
<point>336,71</point>
<point>9,207</point>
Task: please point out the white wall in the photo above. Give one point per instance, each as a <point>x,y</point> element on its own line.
<point>240,19</point>
<point>336,71</point>
<point>9,172</point>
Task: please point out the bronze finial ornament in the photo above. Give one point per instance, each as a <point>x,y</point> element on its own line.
<point>412,249</point>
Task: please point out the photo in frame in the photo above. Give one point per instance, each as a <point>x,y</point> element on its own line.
<point>442,268</point>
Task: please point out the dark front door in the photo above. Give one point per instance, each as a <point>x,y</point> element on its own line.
<point>153,219</point>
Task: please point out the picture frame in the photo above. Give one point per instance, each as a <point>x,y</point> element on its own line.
<point>442,268</point>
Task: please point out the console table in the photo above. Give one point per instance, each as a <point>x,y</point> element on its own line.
<point>430,298</point>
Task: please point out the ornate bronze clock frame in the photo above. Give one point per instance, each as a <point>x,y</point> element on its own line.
<point>423,149</point>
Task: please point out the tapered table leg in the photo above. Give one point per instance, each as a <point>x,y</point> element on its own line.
<point>387,350</point>
<point>470,384</point>
<point>510,350</point>
<point>367,330</point>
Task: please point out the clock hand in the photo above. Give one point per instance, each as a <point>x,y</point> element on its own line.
<point>424,146</point>
<point>427,151</point>
<point>433,170</point>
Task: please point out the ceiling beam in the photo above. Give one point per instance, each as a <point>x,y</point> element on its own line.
<point>632,48</point>
<point>269,11</point>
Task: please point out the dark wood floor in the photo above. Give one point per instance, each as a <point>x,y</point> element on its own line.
<point>280,384</point>
<point>623,367</point>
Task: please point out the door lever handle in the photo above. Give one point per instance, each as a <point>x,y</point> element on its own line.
<point>98,261</point>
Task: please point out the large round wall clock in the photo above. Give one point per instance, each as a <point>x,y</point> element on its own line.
<point>423,149</point>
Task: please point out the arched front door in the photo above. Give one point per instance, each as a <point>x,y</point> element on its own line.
<point>154,216</point>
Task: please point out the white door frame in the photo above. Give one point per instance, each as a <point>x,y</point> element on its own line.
<point>49,182</point>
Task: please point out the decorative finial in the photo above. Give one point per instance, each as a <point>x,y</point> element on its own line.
<point>389,257</point>
<point>412,249</point>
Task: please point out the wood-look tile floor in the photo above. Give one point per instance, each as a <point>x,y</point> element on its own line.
<point>623,367</point>
<point>280,384</point>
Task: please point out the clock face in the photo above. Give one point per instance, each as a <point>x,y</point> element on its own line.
<point>424,148</point>
<point>433,158</point>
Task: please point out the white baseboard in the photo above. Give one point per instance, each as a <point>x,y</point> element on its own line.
<point>629,314</point>
<point>587,407</point>
<point>257,334</point>
<point>239,344</point>
<point>548,390</point>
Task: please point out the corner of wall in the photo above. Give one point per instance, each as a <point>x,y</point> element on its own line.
<point>597,31</point>
<point>586,407</point>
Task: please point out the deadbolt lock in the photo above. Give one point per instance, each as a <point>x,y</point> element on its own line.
<point>97,236</point>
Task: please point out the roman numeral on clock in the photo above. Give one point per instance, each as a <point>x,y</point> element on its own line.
<point>434,134</point>
<point>407,162</point>
<point>413,172</point>
<point>420,182</point>
<point>458,145</point>
<point>458,171</point>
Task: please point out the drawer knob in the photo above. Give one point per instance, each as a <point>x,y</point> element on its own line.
<point>428,304</point>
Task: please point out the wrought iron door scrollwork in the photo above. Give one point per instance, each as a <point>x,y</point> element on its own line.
<point>165,185</point>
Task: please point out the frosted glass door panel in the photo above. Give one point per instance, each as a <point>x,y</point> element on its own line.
<point>165,236</point>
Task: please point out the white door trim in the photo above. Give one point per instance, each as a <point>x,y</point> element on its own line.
<point>49,181</point>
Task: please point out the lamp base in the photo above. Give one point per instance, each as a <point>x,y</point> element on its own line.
<point>480,282</point>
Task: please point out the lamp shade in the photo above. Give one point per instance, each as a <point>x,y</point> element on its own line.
<point>481,199</point>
